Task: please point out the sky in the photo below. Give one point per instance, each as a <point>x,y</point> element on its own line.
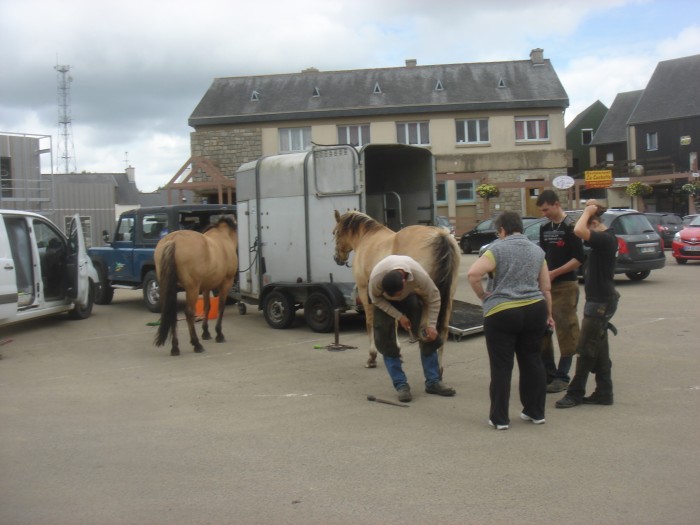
<point>139,68</point>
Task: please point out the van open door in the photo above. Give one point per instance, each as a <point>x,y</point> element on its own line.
<point>8,280</point>
<point>78,263</point>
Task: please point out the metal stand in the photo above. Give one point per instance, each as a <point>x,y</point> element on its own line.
<point>336,346</point>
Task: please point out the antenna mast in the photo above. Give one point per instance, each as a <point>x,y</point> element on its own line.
<point>66,150</point>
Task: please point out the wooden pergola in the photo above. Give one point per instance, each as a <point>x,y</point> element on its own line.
<point>203,176</point>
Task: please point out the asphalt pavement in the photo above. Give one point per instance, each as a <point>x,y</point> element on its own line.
<point>98,426</point>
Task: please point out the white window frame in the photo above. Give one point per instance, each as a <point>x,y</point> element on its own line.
<point>531,129</point>
<point>414,133</point>
<point>294,139</point>
<point>346,134</point>
<point>465,185</point>
<point>462,131</point>
<point>652,141</point>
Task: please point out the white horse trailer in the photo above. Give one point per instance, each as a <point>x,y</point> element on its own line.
<point>285,208</point>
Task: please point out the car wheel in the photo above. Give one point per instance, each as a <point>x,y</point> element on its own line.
<point>104,293</point>
<point>318,313</point>
<point>83,312</point>
<point>681,261</point>
<point>637,276</point>
<point>151,292</point>
<point>466,247</point>
<point>278,309</point>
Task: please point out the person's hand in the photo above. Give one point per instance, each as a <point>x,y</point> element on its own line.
<point>591,202</point>
<point>405,323</point>
<point>429,334</point>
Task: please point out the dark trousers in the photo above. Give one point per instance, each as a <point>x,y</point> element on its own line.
<point>516,332</point>
<point>593,351</point>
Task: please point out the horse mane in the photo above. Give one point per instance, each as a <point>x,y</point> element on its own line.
<point>354,222</point>
<point>227,219</point>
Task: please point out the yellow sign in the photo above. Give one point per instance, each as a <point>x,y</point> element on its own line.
<point>598,179</point>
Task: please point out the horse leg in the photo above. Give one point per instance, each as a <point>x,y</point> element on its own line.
<point>369,319</point>
<point>205,322</point>
<point>175,347</point>
<point>191,299</point>
<point>222,304</point>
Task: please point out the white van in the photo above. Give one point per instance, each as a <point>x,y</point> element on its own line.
<point>43,272</point>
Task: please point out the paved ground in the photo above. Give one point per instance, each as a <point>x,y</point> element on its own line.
<point>97,426</point>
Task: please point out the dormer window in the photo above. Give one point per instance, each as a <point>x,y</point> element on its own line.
<point>255,96</point>
<point>501,83</point>
<point>377,89</point>
<point>438,86</point>
<point>316,92</point>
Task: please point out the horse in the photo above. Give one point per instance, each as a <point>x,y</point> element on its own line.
<point>198,263</point>
<point>433,248</point>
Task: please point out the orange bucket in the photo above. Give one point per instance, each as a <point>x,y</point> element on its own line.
<point>213,307</point>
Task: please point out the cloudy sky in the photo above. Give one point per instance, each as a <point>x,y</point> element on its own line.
<point>139,68</point>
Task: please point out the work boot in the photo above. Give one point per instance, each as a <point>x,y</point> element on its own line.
<point>595,399</point>
<point>558,385</point>
<point>440,389</point>
<point>567,402</point>
<point>404,394</point>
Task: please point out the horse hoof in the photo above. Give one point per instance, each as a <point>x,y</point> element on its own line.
<point>174,352</point>
<point>371,364</point>
<point>220,339</point>
<point>199,349</point>
<point>206,336</point>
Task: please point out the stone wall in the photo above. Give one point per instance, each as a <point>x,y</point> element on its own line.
<point>228,148</point>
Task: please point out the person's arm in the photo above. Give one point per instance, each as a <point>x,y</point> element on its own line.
<point>581,229</point>
<point>483,265</point>
<point>429,293</point>
<point>546,289</point>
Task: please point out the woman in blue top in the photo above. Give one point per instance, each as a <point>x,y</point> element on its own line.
<point>517,310</point>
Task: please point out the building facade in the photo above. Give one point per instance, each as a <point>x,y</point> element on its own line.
<point>496,122</point>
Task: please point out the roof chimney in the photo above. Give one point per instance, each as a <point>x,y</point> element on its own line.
<point>411,62</point>
<point>309,70</point>
<point>536,55</point>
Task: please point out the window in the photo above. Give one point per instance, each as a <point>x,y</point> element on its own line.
<point>441,192</point>
<point>465,191</point>
<point>531,129</point>
<point>412,133</point>
<point>586,136</point>
<point>85,225</point>
<point>472,131</point>
<point>652,141</point>
<point>6,176</point>
<point>354,135</point>
<point>294,139</point>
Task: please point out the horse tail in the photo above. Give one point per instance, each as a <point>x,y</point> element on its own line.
<point>445,274</point>
<point>167,284</point>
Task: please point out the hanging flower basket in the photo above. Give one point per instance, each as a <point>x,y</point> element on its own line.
<point>639,189</point>
<point>486,191</point>
<point>691,188</point>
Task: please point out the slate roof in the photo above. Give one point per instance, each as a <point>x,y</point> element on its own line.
<point>574,123</point>
<point>672,92</point>
<point>613,128</point>
<point>466,87</point>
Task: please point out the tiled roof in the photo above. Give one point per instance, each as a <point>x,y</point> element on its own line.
<point>613,128</point>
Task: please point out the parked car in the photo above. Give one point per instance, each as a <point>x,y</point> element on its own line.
<point>444,222</point>
<point>639,248</point>
<point>686,243</point>
<point>42,271</point>
<point>485,233</point>
<point>667,225</point>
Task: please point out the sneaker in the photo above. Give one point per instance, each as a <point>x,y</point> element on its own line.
<point>525,417</point>
<point>567,402</point>
<point>593,399</point>
<point>558,385</point>
<point>440,389</point>
<point>498,427</point>
<point>405,394</point>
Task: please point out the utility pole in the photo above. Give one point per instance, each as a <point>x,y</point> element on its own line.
<point>66,151</point>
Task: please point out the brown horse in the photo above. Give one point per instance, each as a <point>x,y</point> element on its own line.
<point>198,263</point>
<point>433,248</point>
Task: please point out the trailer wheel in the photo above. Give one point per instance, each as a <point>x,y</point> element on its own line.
<point>242,308</point>
<point>318,313</point>
<point>278,310</point>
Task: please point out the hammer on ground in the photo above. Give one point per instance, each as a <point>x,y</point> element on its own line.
<point>386,401</point>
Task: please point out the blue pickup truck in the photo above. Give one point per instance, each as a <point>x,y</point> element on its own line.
<point>127,259</point>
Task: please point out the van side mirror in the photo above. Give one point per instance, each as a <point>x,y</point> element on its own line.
<point>105,236</point>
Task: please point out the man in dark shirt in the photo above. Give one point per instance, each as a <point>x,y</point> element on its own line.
<point>564,254</point>
<point>601,304</point>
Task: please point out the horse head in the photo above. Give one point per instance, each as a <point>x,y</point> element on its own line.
<point>342,235</point>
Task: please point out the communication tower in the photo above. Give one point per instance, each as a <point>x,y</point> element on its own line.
<point>65,155</point>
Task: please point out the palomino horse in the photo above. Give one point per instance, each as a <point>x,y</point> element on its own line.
<point>199,263</point>
<point>433,248</point>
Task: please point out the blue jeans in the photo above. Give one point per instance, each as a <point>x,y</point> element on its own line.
<point>431,370</point>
